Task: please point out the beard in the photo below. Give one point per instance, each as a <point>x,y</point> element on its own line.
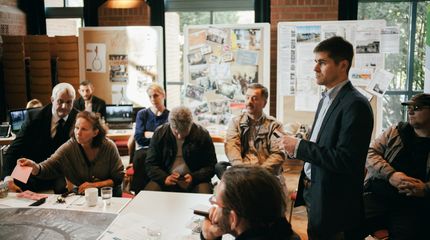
<point>224,224</point>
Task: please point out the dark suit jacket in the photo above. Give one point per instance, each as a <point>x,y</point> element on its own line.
<point>34,141</point>
<point>338,158</point>
<point>99,105</point>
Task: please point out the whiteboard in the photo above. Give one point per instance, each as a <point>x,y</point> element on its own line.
<point>121,61</point>
<point>297,92</point>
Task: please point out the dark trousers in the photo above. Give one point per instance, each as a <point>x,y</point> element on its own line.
<point>220,168</point>
<point>140,178</point>
<point>404,217</point>
<point>351,234</point>
<point>199,188</point>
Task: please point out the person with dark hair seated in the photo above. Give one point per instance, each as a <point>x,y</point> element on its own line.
<point>89,102</point>
<point>87,160</point>
<point>249,204</point>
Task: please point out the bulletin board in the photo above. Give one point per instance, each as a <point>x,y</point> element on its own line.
<point>297,92</point>
<point>220,61</point>
<point>121,62</point>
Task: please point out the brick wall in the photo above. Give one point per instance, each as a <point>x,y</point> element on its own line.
<point>12,20</point>
<point>299,11</point>
<point>124,13</point>
<point>8,2</point>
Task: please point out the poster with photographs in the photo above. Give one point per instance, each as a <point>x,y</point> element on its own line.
<point>118,64</point>
<point>298,93</point>
<point>220,61</point>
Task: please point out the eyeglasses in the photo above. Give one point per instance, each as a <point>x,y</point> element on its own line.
<point>415,108</point>
<point>214,202</point>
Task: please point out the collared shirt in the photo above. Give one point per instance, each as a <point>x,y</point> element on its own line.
<point>89,105</point>
<point>254,127</point>
<point>54,122</point>
<point>328,96</point>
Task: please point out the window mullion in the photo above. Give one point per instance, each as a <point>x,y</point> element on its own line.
<point>413,26</point>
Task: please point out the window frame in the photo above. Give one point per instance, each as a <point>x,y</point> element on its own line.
<point>65,12</point>
<point>409,91</point>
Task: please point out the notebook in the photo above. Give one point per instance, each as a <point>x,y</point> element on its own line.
<point>17,118</point>
<point>119,116</point>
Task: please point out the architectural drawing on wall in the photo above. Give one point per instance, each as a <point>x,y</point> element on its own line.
<point>45,223</point>
<point>133,59</point>
<point>95,57</point>
<point>220,61</point>
<point>296,76</point>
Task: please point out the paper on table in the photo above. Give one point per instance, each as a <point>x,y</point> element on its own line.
<point>21,173</point>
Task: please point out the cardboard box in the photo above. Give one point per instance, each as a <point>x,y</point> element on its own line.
<point>35,64</point>
<point>40,72</point>
<point>66,39</point>
<point>37,39</point>
<point>68,72</point>
<point>67,47</point>
<point>68,64</point>
<point>13,56</point>
<point>40,56</point>
<point>67,56</point>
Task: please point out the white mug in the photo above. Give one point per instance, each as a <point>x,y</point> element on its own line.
<point>91,196</point>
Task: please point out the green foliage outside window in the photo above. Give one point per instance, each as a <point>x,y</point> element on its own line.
<point>402,87</point>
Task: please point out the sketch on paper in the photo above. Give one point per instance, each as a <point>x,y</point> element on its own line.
<point>95,56</point>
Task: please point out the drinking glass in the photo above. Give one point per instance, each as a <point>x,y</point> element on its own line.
<point>106,193</point>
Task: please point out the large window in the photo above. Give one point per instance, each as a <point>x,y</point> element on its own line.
<point>63,17</point>
<point>408,64</point>
<point>181,13</point>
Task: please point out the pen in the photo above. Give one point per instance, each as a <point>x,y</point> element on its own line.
<point>38,202</point>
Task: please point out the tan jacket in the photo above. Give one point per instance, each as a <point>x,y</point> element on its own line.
<point>383,150</point>
<point>264,152</point>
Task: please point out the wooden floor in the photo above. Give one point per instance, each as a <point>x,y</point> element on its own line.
<point>299,219</point>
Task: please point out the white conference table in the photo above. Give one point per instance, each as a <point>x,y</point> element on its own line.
<point>74,202</point>
<point>171,213</point>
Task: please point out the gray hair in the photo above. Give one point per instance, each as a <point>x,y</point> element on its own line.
<point>181,119</point>
<point>61,87</point>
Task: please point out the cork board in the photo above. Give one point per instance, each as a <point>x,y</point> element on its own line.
<point>121,62</point>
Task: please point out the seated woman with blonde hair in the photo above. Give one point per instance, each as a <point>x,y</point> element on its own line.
<point>34,103</point>
<point>88,159</point>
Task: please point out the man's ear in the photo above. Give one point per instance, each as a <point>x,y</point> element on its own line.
<point>344,64</point>
<point>234,220</point>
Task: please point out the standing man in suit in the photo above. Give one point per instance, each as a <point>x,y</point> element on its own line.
<point>44,130</point>
<point>88,101</point>
<point>331,183</point>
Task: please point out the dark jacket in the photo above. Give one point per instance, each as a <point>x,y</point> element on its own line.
<point>281,230</point>
<point>198,152</point>
<point>34,140</point>
<point>338,157</point>
<point>99,105</point>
